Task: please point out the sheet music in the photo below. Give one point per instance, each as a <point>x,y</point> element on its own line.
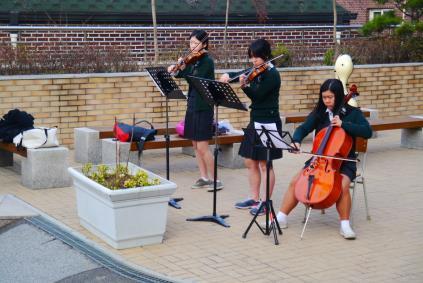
<point>275,137</point>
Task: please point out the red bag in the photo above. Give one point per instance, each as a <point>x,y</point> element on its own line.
<point>123,132</point>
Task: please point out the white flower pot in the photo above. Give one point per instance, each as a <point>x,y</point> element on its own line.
<point>123,218</point>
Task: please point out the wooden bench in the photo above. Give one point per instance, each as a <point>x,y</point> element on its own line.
<point>228,156</point>
<point>40,168</point>
<point>411,130</point>
<point>11,148</point>
<point>106,132</point>
<point>88,140</point>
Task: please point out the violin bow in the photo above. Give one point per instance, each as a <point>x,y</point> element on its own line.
<point>252,68</point>
<point>327,156</point>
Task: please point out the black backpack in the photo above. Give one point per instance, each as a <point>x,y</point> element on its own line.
<point>14,123</point>
<point>124,132</point>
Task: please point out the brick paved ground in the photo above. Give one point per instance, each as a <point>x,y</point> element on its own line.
<point>388,248</point>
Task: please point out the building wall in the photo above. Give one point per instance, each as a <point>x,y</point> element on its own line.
<point>70,101</point>
<point>362,7</point>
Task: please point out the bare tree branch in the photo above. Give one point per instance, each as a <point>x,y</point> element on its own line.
<point>261,10</point>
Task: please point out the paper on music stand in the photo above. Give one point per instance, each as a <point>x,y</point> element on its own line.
<point>275,138</point>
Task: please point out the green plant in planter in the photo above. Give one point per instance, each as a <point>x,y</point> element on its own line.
<point>118,177</point>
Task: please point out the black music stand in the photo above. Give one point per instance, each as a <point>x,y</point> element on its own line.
<point>267,136</point>
<point>169,89</point>
<point>216,94</point>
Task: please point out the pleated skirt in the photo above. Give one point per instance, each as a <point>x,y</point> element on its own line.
<point>198,125</point>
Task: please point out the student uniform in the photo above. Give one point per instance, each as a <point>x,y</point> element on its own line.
<point>199,114</point>
<point>264,94</point>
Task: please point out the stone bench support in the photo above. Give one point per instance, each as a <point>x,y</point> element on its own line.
<point>46,168</point>
<point>412,138</point>
<point>228,155</point>
<point>108,153</point>
<point>87,145</point>
<point>42,168</point>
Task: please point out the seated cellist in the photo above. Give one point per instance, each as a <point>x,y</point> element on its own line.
<point>354,123</point>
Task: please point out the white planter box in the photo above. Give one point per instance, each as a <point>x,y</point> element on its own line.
<point>123,218</point>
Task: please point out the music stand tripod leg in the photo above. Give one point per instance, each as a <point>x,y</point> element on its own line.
<point>173,202</point>
<point>254,221</point>
<point>216,94</point>
<point>170,90</point>
<point>275,221</point>
<point>270,211</point>
<point>219,219</point>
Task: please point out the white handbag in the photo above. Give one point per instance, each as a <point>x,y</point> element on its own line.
<point>37,138</point>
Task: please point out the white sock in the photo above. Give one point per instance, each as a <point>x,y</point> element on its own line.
<point>281,216</point>
<point>345,225</point>
<point>204,179</point>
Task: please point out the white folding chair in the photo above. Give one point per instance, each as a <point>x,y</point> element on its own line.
<point>361,150</point>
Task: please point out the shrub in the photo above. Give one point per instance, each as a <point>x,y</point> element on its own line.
<point>283,61</point>
<point>414,46</point>
<point>406,29</point>
<point>383,50</point>
<point>380,23</point>
<point>305,55</point>
<point>119,177</point>
<point>328,57</point>
<point>64,59</point>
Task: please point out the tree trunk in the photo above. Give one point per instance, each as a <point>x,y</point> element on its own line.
<point>156,47</point>
<point>335,22</point>
<point>225,43</point>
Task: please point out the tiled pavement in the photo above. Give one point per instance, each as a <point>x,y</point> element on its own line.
<point>389,248</point>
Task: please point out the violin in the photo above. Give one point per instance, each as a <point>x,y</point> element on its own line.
<point>194,57</point>
<point>255,72</point>
<point>191,58</point>
<point>319,185</point>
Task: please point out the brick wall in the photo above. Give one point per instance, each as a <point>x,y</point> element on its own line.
<point>70,101</point>
<point>171,42</point>
<point>4,36</point>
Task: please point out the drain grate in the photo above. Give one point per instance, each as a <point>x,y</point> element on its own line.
<point>93,253</point>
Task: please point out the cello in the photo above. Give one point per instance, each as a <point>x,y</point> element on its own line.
<point>319,185</point>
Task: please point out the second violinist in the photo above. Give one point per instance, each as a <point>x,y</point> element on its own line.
<point>262,86</point>
<point>199,114</point>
